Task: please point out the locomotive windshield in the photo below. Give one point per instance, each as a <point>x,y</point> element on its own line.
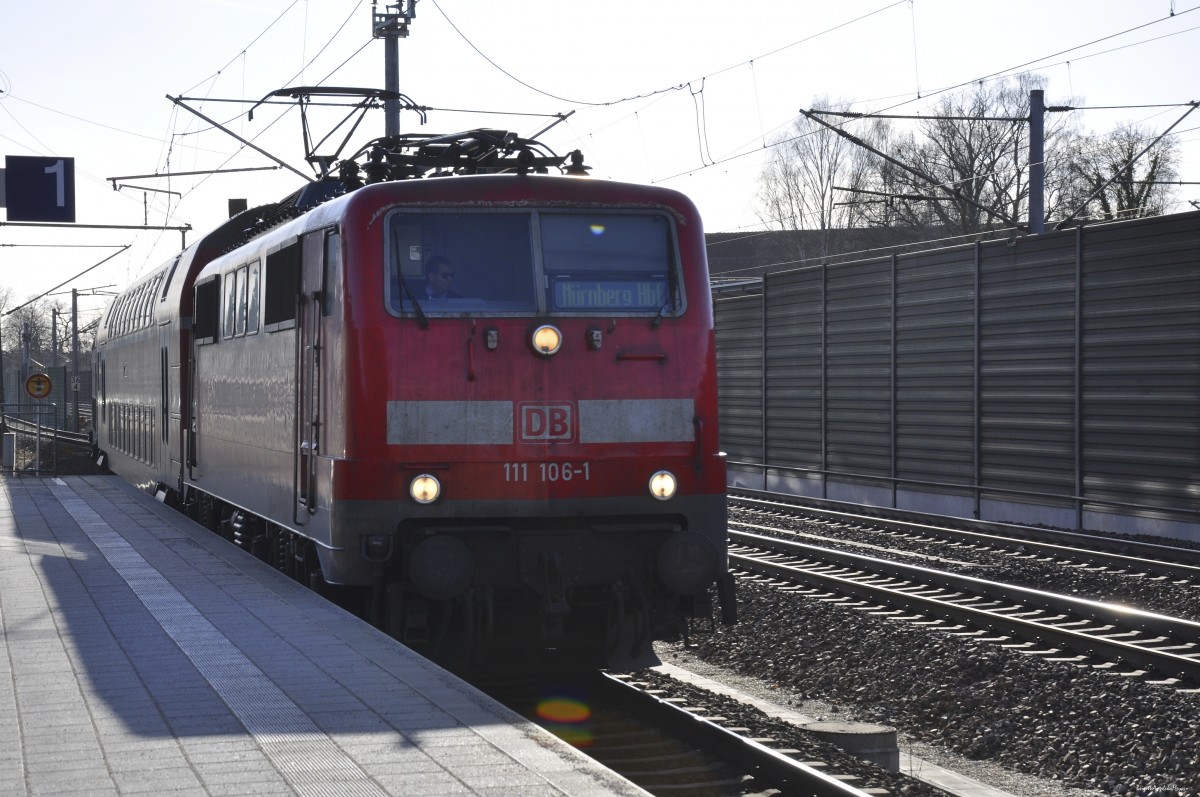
<point>525,263</point>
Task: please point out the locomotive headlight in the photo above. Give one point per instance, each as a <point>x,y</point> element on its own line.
<point>425,489</point>
<point>663,485</point>
<point>546,340</point>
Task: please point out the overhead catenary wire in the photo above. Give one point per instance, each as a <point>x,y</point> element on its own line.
<point>1006,71</point>
<point>708,157</point>
<point>674,87</point>
<point>68,281</point>
<point>242,51</point>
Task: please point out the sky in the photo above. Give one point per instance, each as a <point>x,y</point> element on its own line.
<point>686,94</point>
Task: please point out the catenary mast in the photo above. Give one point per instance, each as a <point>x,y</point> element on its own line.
<point>391,26</point>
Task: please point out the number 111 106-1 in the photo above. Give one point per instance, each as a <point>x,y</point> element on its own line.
<point>547,471</point>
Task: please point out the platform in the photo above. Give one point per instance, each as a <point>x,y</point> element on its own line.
<point>142,654</point>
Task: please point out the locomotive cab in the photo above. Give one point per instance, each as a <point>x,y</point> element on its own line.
<point>548,424</point>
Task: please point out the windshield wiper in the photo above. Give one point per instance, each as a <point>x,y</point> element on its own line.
<point>662,313</point>
<point>423,322</point>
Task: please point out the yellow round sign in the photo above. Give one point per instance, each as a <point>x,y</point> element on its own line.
<point>38,385</point>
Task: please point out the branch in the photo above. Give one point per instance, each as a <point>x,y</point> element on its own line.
<point>1117,172</point>
<point>952,192</point>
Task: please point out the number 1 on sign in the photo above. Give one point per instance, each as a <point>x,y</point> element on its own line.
<point>60,172</point>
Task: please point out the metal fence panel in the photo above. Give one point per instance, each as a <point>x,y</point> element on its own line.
<point>793,390</point>
<point>1027,365</point>
<point>1059,371</point>
<point>739,364</point>
<point>935,369</point>
<point>1141,363</point>
<point>62,395</point>
<point>28,442</point>
<point>858,335</point>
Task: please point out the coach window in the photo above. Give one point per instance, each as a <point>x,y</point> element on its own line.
<point>143,310</point>
<point>252,300</point>
<point>332,278</point>
<point>118,314</point>
<point>103,392</point>
<point>206,317</point>
<point>150,300</point>
<point>167,282</point>
<point>281,285</point>
<point>146,292</point>
<point>240,300</point>
<point>230,305</point>
<point>143,319</point>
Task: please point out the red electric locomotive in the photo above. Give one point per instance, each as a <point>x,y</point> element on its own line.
<point>481,409</point>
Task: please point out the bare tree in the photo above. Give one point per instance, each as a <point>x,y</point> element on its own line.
<point>799,186</point>
<point>1116,183</point>
<point>962,171</point>
<point>27,334</point>
<point>977,146</point>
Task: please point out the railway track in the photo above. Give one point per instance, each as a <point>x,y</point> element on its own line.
<point>34,449</point>
<point>975,686</point>
<point>1113,553</point>
<point>49,434</point>
<point>1058,626</point>
<point>672,740</point>
<point>1155,577</point>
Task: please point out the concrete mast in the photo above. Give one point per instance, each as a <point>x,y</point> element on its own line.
<point>1037,162</point>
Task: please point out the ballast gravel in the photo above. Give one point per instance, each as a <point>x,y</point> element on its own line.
<point>1072,725</point>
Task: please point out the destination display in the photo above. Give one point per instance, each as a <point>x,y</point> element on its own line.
<point>592,294</point>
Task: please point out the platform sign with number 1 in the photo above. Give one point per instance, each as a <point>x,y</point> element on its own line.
<point>39,189</point>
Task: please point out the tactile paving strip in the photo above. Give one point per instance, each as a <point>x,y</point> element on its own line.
<point>306,755</point>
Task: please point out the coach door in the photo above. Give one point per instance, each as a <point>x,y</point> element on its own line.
<point>308,376</point>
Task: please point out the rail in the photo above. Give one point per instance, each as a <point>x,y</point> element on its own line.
<point>1079,504</point>
<point>636,725</point>
<point>1117,551</point>
<point>1159,644</point>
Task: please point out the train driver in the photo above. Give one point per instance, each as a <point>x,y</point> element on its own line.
<point>439,276</point>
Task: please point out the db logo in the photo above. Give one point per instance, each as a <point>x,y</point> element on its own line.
<point>547,423</point>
